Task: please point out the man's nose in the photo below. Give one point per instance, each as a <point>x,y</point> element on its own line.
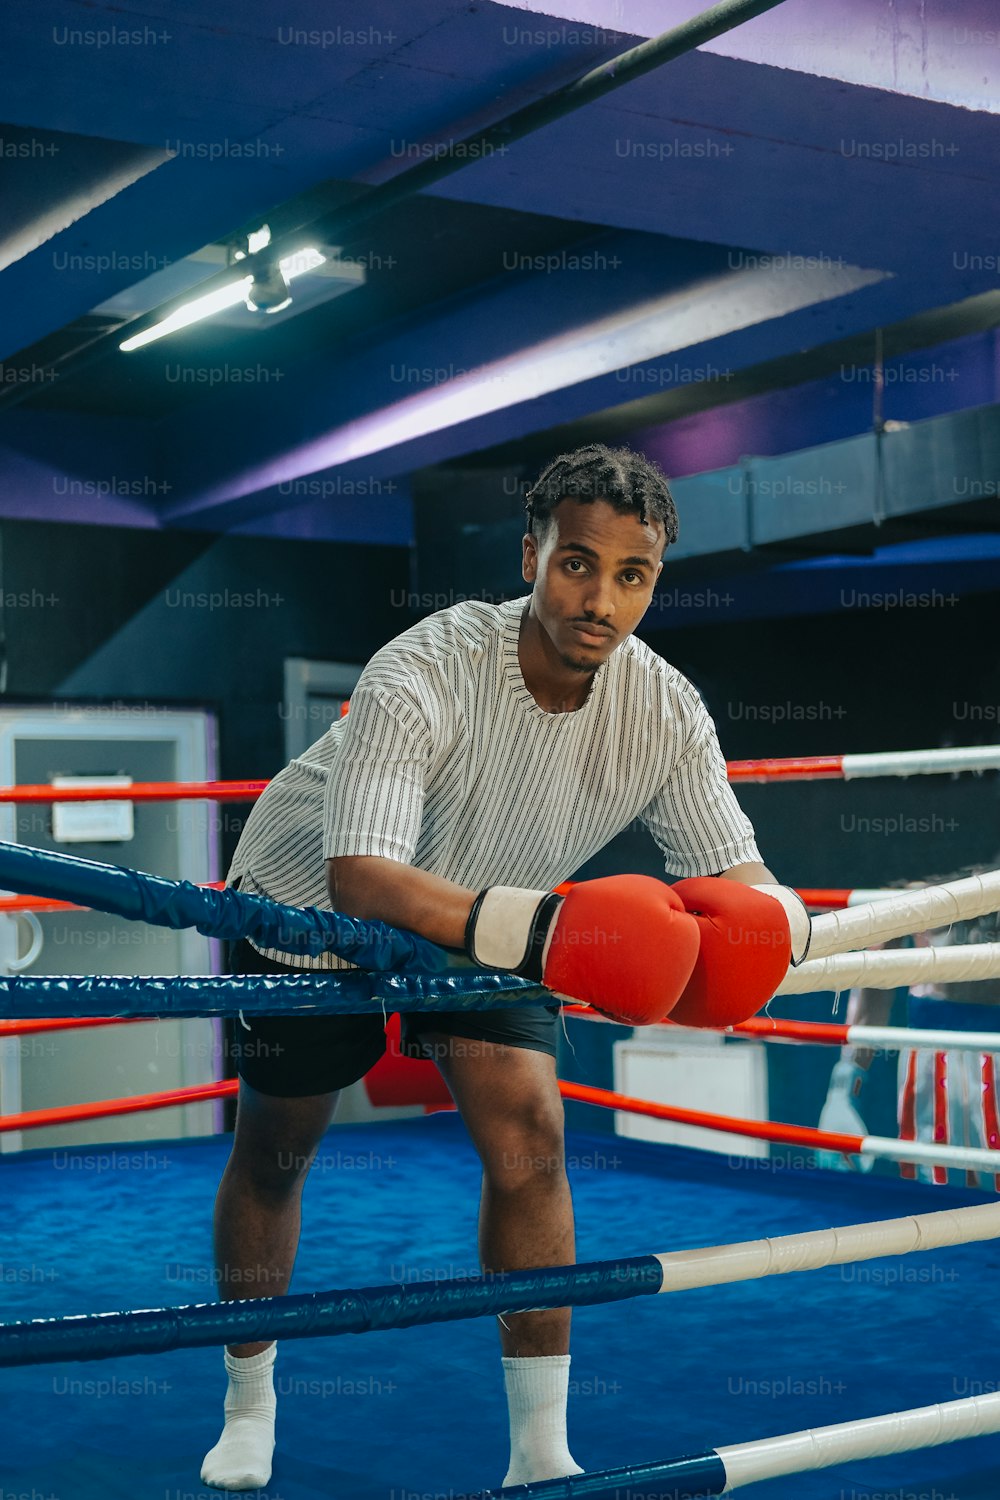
<point>599,599</point>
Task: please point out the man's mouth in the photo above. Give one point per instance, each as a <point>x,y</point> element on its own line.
<point>591,635</point>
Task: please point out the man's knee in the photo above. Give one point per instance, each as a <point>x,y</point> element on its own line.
<point>277,1140</point>
<point>528,1149</point>
<point>277,1169</point>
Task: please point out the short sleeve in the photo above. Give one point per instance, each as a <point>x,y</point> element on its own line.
<point>375,788</point>
<point>695,817</point>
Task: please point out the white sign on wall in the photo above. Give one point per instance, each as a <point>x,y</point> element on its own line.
<point>92,822</point>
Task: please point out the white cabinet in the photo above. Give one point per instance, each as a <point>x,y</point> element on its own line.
<point>175,839</point>
<point>693,1070</point>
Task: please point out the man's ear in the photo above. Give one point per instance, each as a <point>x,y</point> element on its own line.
<point>529,558</point>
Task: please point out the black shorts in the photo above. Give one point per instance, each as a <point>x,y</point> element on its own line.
<point>292,1056</point>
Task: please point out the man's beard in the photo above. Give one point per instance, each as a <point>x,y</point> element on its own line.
<point>588,667</point>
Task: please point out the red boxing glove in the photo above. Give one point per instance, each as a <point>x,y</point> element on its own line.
<point>745,952</point>
<point>623,944</point>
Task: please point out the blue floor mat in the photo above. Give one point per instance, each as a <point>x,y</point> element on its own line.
<point>420,1413</point>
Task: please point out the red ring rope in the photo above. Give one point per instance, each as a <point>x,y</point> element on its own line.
<point>69,1023</point>
<point>137,791</point>
<point>807,767</point>
<point>766,1130</point>
<point>798,1031</point>
<point>762,1130</point>
<point>69,1114</point>
<point>50,903</point>
<point>774,768</point>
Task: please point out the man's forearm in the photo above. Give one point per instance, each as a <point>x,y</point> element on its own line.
<point>384,890</point>
<point>751,874</point>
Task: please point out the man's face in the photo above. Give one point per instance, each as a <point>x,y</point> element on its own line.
<point>594,570</point>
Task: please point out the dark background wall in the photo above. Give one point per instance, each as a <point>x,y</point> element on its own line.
<point>854,681</point>
<point>857,680</point>
<point>122,615</point>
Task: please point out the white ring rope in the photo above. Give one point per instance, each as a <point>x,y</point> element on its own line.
<point>905,913</point>
<point>920,762</point>
<point>871,1437</point>
<point>903,1038</point>
<point>971,1158</point>
<point>862,894</point>
<point>885,970</point>
<point>717,1265</point>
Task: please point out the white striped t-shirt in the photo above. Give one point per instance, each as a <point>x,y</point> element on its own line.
<point>447,763</point>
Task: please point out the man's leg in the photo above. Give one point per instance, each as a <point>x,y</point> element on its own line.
<point>258,1208</point>
<point>257,1221</point>
<point>510,1102</point>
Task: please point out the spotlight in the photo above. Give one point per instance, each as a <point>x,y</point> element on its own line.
<point>268,291</point>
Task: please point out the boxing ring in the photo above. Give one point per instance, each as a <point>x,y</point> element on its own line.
<point>888,1310</point>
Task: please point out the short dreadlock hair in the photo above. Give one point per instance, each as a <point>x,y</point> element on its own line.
<point>626,480</point>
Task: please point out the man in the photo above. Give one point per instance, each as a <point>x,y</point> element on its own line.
<point>497,747</point>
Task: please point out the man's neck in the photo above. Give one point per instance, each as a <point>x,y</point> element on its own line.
<point>555,688</point>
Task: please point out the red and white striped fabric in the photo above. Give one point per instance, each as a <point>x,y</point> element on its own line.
<point>948,1096</point>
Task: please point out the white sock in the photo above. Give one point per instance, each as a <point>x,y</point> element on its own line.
<point>537,1391</point>
<point>241,1459</point>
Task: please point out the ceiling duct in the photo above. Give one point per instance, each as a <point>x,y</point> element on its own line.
<point>939,475</point>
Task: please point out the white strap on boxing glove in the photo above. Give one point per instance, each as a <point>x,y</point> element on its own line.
<point>510,929</point>
<point>799,920</point>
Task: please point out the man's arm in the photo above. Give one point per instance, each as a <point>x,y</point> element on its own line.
<point>385,890</point>
<point>378,889</point>
<point>750,874</point>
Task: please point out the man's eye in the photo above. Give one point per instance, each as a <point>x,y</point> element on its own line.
<point>633,575</point>
<point>575,562</point>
